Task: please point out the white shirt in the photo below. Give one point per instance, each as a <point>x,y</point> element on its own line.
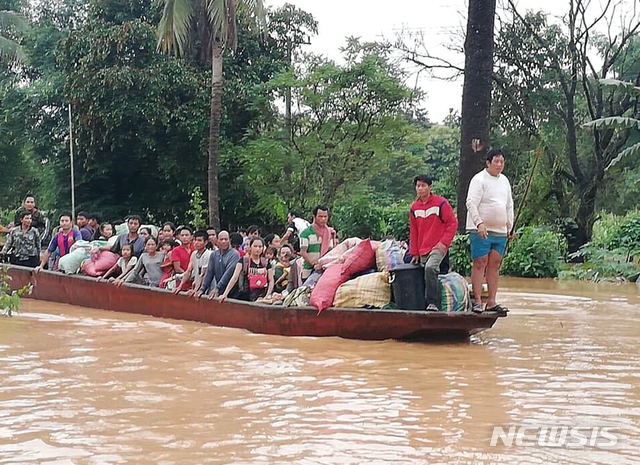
<point>489,201</point>
<point>199,265</point>
<point>123,266</point>
<point>300,223</point>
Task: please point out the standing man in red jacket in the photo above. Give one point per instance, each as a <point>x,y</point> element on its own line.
<point>432,225</point>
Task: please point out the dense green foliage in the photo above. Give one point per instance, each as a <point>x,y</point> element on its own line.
<point>534,253</point>
<point>546,88</point>
<point>460,255</point>
<point>614,252</point>
<point>356,138</point>
<point>366,216</point>
<point>627,235</point>
<point>600,264</point>
<point>9,300</point>
<point>141,120</point>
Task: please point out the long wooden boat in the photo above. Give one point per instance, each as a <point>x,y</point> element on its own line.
<point>351,323</point>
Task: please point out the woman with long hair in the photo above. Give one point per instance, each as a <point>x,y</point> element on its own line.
<point>254,272</point>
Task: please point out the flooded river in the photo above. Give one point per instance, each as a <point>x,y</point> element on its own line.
<point>81,386</point>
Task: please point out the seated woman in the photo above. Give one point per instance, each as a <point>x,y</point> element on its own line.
<point>272,240</point>
<point>255,273</point>
<point>125,264</point>
<point>147,271</point>
<point>106,232</point>
<point>169,232</point>
<point>144,233</point>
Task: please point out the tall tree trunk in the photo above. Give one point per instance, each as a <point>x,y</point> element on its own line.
<point>214,134</point>
<point>476,98</point>
<point>287,97</point>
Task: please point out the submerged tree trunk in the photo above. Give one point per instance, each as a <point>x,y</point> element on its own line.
<point>476,98</point>
<point>214,135</point>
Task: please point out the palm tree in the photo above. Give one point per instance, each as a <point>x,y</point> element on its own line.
<point>619,123</point>
<point>175,33</point>
<point>10,50</point>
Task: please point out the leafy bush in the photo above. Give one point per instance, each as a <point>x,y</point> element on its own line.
<point>534,253</point>
<point>9,300</point>
<point>365,216</point>
<point>396,220</point>
<point>460,255</point>
<point>359,217</point>
<point>448,189</point>
<point>605,229</point>
<point>601,264</point>
<point>6,216</point>
<point>197,212</point>
<point>613,253</point>
<point>627,235</point>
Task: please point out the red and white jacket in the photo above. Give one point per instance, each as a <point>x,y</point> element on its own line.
<point>430,222</point>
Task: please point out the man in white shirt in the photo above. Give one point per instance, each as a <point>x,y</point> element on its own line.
<point>295,226</point>
<point>198,263</point>
<point>489,223</point>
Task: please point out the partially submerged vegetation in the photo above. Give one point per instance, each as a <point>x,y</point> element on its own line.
<point>10,300</point>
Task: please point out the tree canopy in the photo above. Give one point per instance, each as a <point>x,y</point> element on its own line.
<point>297,129</point>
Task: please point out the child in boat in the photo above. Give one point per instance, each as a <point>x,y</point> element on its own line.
<point>125,264</point>
<point>281,273</point>
<point>270,255</point>
<point>167,265</point>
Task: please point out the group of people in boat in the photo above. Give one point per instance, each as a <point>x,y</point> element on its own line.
<point>244,265</point>
<point>206,262</point>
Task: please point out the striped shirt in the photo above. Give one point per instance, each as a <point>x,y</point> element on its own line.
<point>313,243</point>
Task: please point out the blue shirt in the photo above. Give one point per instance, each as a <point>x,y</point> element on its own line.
<point>221,267</point>
<point>137,245</point>
<point>53,245</point>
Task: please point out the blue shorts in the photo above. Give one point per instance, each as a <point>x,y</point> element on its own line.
<point>481,247</point>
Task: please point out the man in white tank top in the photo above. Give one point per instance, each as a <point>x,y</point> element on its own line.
<point>489,223</point>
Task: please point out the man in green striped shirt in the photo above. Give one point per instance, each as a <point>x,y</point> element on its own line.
<point>316,241</point>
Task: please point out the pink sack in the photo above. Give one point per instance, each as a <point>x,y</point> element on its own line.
<point>362,257</point>
<point>325,290</point>
<point>98,265</point>
<point>338,254</point>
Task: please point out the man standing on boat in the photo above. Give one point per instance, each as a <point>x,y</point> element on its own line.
<point>316,241</point>
<point>295,226</point>
<point>489,222</point>
<point>432,226</point>
<point>222,264</point>
<point>37,220</point>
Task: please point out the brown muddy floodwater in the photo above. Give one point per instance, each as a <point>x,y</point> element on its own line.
<point>81,386</point>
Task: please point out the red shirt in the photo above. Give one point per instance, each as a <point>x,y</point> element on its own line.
<point>430,222</point>
<point>182,255</point>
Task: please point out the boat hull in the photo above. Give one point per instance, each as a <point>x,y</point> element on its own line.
<point>351,323</point>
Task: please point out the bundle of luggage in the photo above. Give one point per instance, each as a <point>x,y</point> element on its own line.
<point>358,273</point>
